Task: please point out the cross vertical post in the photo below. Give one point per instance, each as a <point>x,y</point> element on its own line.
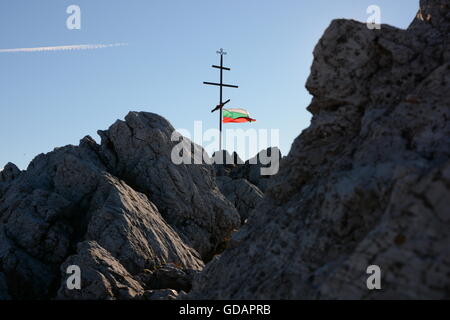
<point>221,85</point>
<point>221,100</point>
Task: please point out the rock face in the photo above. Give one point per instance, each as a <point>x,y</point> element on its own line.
<point>3,288</point>
<point>225,163</point>
<point>241,182</point>
<point>368,183</point>
<point>163,294</point>
<point>168,276</point>
<point>113,209</point>
<point>7,175</point>
<point>244,195</point>
<point>257,170</point>
<point>186,195</point>
<point>104,277</point>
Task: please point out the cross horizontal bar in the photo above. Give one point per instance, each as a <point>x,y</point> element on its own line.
<point>223,68</point>
<point>221,85</point>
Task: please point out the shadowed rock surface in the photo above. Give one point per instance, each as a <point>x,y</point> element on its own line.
<point>241,193</point>
<point>138,150</point>
<point>7,175</point>
<point>3,288</point>
<point>225,163</point>
<point>170,275</point>
<point>243,183</point>
<point>163,294</point>
<point>135,208</point>
<point>130,227</point>
<point>257,170</point>
<point>368,183</point>
<point>104,278</point>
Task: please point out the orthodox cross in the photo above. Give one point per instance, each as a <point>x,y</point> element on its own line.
<point>221,85</point>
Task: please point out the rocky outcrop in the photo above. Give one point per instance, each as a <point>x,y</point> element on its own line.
<point>3,288</point>
<point>7,175</point>
<point>130,227</point>
<point>368,183</point>
<point>244,195</point>
<point>168,276</point>
<point>186,195</point>
<point>241,181</point>
<point>103,276</point>
<point>260,169</point>
<point>257,170</point>
<point>411,244</point>
<point>43,216</point>
<point>225,163</point>
<point>113,209</point>
<point>127,228</point>
<point>163,294</point>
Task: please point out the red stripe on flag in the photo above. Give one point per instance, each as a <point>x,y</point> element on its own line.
<point>237,120</point>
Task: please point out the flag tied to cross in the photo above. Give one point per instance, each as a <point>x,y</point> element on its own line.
<point>233,115</point>
<point>236,116</point>
<point>227,115</point>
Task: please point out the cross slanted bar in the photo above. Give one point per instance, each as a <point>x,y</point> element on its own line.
<point>221,85</point>
<point>223,68</point>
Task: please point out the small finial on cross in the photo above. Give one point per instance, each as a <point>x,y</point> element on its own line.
<point>221,52</point>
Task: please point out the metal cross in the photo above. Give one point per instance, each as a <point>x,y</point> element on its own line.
<point>221,85</point>
<point>221,52</point>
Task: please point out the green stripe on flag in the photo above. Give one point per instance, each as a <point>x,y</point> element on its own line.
<point>234,115</point>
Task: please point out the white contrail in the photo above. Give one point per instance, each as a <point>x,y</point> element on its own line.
<point>63,48</point>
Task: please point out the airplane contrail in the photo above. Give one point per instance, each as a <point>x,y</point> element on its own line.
<point>64,48</point>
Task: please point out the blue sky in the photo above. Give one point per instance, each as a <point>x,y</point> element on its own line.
<point>51,99</point>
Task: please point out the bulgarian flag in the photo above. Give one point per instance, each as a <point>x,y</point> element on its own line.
<point>236,116</point>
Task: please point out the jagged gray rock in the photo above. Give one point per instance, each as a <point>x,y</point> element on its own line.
<point>411,243</point>
<point>186,195</point>
<point>251,170</point>
<point>163,294</point>
<point>244,195</point>
<point>367,183</point>
<point>7,175</point>
<point>232,176</point>
<point>9,172</point>
<point>170,275</point>
<point>130,228</point>
<point>71,195</point>
<point>225,163</point>
<point>42,215</point>
<point>432,18</point>
<point>257,170</point>
<point>103,276</point>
